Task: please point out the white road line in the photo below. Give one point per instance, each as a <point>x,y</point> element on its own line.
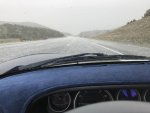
<point>109,49</point>
<point>21,44</point>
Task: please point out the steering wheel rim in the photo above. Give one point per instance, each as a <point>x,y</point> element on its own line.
<point>114,107</point>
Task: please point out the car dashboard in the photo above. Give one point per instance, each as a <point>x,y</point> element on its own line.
<point>60,89</point>
<point>69,99</point>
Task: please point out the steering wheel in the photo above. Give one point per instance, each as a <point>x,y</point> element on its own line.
<point>114,107</point>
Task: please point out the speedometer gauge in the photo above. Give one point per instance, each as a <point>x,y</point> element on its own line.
<point>59,102</point>
<point>91,96</point>
<point>128,94</point>
<point>147,96</point>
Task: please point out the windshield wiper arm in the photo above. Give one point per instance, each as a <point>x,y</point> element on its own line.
<point>22,68</point>
<point>74,59</point>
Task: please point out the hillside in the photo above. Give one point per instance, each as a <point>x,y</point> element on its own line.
<point>94,33</point>
<point>136,32</point>
<point>26,24</point>
<point>22,32</point>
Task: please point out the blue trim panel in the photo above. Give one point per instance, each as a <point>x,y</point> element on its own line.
<point>17,91</point>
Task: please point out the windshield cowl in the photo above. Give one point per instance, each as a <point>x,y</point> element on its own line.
<point>49,60</point>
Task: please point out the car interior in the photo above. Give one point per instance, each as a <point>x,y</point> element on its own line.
<point>74,56</point>
<point>65,88</point>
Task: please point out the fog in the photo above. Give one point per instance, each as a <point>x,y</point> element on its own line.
<point>74,16</point>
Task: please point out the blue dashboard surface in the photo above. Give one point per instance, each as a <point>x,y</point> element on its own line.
<point>17,91</point>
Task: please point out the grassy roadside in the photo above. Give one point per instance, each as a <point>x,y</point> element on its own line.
<point>9,40</point>
<point>137,33</point>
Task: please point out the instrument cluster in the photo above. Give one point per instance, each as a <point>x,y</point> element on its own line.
<point>61,102</point>
<point>64,100</point>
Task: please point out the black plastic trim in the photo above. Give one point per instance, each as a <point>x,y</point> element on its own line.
<point>73,88</point>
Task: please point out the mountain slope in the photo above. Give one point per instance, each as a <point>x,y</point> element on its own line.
<point>27,24</point>
<point>137,32</point>
<point>94,33</point>
<point>11,31</point>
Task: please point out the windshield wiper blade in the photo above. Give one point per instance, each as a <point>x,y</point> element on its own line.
<point>23,68</point>
<point>74,59</point>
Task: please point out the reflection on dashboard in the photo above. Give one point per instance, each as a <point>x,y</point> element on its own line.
<point>128,94</point>
<point>93,96</point>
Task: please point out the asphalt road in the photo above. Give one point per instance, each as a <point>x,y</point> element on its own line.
<point>68,45</point>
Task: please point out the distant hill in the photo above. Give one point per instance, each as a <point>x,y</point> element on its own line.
<point>27,24</point>
<point>20,32</point>
<point>94,33</point>
<point>136,32</point>
<point>66,34</point>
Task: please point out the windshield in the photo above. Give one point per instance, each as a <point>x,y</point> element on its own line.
<point>71,27</point>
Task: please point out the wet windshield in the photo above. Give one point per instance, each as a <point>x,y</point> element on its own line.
<point>70,27</point>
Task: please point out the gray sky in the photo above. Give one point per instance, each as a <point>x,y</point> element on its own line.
<point>74,16</point>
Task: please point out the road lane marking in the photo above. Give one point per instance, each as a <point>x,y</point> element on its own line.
<point>115,51</point>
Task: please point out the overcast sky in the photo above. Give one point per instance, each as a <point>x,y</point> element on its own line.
<point>74,16</point>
